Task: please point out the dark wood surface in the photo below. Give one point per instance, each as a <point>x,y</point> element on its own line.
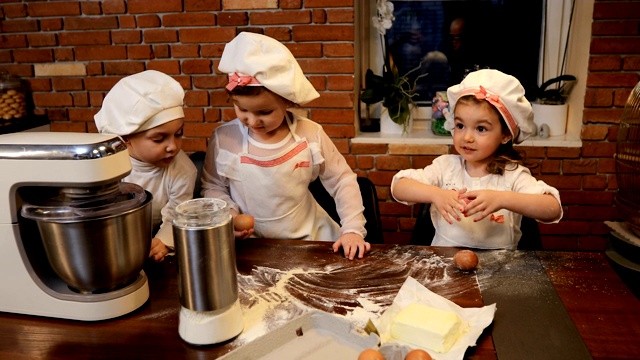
<point>603,310</point>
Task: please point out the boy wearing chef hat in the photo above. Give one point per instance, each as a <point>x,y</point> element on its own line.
<point>492,189</point>
<point>145,109</point>
<point>263,161</point>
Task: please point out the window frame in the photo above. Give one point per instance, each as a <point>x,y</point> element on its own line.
<point>577,64</point>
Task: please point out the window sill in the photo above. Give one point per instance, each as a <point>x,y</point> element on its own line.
<point>422,135</point>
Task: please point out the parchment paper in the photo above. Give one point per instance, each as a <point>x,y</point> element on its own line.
<point>476,319</point>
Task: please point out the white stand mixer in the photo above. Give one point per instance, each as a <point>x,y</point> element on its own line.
<point>49,159</point>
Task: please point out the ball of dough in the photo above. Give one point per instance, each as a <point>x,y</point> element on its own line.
<point>417,354</point>
<point>465,260</point>
<point>370,354</point>
<point>243,222</point>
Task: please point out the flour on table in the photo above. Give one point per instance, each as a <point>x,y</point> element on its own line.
<point>358,291</point>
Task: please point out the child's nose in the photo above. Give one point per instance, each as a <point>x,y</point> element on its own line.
<point>173,145</point>
<point>252,119</point>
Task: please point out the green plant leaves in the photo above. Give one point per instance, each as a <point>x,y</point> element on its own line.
<point>395,92</point>
<point>375,90</point>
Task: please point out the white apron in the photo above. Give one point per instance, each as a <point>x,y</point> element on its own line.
<point>484,234</point>
<point>500,230</point>
<point>276,190</point>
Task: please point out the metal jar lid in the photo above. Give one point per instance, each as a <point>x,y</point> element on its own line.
<point>69,206</point>
<point>9,82</point>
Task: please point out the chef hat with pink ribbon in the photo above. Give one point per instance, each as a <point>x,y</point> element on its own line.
<point>502,91</point>
<point>252,59</point>
<point>140,102</point>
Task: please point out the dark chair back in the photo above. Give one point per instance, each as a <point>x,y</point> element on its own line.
<point>198,160</point>
<point>369,200</point>
<point>423,231</point>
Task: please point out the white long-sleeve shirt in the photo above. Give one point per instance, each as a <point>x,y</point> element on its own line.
<point>223,155</point>
<point>448,172</point>
<point>169,186</point>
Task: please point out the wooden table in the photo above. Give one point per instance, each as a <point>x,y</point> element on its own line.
<point>291,276</point>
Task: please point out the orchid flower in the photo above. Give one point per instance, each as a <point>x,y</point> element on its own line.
<point>395,91</point>
<point>384,20</point>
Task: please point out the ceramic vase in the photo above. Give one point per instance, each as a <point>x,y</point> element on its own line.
<point>387,126</point>
<point>554,116</point>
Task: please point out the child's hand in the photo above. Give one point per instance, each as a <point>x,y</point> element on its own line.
<point>448,203</point>
<point>244,234</point>
<point>352,244</point>
<point>244,228</point>
<point>158,250</point>
<point>482,202</point>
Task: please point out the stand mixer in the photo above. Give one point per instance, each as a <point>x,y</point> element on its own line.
<point>32,161</point>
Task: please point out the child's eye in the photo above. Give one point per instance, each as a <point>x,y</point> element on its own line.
<point>266,112</point>
<point>482,129</point>
<point>459,126</point>
<point>158,140</point>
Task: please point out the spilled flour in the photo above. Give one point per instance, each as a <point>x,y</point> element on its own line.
<point>357,290</point>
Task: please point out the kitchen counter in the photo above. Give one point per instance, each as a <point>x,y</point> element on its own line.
<point>577,297</point>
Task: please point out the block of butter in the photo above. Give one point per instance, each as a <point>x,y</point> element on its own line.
<point>427,327</point>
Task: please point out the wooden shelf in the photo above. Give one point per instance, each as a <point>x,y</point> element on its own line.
<point>22,124</point>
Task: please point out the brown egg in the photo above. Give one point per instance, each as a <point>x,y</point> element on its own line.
<point>243,222</point>
<point>417,354</point>
<point>370,354</point>
<point>465,260</point>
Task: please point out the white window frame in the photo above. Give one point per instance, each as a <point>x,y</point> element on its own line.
<point>576,64</point>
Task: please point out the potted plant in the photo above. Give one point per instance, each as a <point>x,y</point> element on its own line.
<point>550,107</point>
<point>395,91</point>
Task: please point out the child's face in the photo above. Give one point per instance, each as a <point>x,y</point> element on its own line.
<point>263,114</point>
<point>477,132</point>
<point>159,145</point>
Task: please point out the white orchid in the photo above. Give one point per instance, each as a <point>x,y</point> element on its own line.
<point>384,20</point>
<point>395,91</point>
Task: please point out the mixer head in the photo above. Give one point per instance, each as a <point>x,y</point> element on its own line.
<point>81,164</point>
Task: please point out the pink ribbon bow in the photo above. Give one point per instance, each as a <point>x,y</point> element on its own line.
<point>493,99</point>
<point>242,80</point>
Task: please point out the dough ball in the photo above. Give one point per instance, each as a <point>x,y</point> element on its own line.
<point>417,354</point>
<point>243,222</point>
<point>465,260</point>
<point>370,354</point>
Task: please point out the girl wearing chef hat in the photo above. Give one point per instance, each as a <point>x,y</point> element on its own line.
<point>478,197</point>
<point>262,162</point>
<point>145,109</point>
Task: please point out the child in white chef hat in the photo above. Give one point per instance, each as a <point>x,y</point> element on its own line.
<point>262,162</point>
<point>478,197</point>
<point>145,109</point>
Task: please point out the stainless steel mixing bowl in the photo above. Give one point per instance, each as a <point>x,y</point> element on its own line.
<point>101,253</point>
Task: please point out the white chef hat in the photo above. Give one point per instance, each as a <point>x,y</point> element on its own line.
<point>502,91</point>
<point>140,102</point>
<point>254,59</point>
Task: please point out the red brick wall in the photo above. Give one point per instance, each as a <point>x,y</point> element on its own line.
<point>114,38</point>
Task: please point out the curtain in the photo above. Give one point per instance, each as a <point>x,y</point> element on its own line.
<point>555,38</point>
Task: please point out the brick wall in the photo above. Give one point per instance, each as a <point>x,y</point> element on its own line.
<point>72,52</point>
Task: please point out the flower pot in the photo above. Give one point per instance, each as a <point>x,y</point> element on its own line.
<point>387,126</point>
<point>554,116</point>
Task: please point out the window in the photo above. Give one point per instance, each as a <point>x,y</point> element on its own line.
<point>452,37</point>
<point>503,34</point>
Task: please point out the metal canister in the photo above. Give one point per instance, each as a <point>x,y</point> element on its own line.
<point>205,249</point>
